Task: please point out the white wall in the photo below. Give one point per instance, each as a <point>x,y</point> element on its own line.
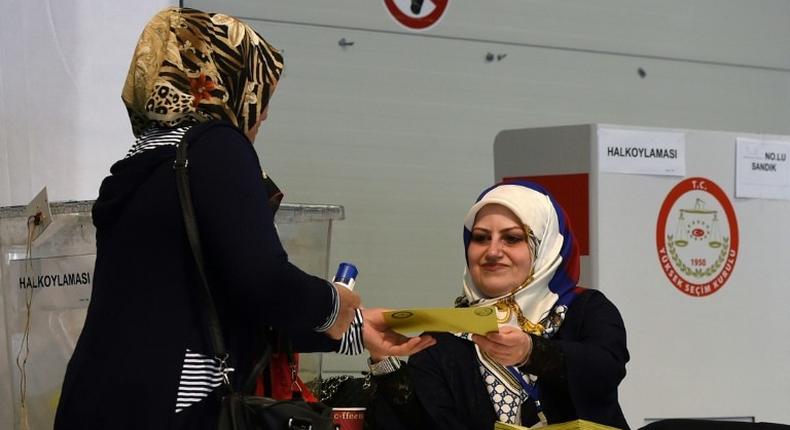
<point>62,123</point>
<point>690,356</point>
<point>726,354</point>
<point>62,66</point>
<point>399,127</point>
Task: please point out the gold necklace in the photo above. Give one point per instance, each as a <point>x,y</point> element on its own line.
<point>507,305</point>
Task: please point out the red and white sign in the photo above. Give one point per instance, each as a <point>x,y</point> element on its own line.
<point>349,418</point>
<point>697,237</point>
<point>416,15</point>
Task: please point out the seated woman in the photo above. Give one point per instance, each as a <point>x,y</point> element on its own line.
<point>560,352</point>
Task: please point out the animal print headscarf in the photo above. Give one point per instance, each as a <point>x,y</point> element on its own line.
<point>191,66</point>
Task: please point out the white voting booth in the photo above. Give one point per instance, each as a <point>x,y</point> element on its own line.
<point>57,271</point>
<point>687,232</point>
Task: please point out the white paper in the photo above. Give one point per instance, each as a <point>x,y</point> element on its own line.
<point>761,169</point>
<point>55,283</point>
<point>641,152</point>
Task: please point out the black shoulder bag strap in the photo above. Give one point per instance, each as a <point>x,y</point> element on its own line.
<point>212,326</point>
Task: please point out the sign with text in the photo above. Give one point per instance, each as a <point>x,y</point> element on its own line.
<point>697,237</point>
<point>52,283</point>
<point>348,418</point>
<point>761,169</point>
<point>641,152</point>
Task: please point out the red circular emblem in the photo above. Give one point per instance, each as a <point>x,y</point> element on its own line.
<point>697,237</point>
<point>416,14</point>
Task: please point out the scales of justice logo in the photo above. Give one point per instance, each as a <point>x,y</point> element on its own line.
<point>697,237</point>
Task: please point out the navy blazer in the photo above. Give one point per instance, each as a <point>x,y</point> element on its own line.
<point>143,314</point>
<point>579,370</point>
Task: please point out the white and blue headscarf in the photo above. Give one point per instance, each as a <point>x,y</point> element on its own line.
<point>543,300</point>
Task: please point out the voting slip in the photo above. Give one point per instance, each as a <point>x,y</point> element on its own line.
<point>570,425</point>
<point>479,320</point>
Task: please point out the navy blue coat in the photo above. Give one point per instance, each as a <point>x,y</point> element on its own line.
<point>579,370</point>
<point>126,367</point>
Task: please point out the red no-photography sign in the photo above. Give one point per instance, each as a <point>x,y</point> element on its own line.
<point>416,15</point>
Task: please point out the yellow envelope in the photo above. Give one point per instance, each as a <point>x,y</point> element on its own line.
<point>480,320</point>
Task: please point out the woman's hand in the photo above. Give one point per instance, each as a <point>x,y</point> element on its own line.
<point>509,347</point>
<point>381,341</point>
<point>349,302</point>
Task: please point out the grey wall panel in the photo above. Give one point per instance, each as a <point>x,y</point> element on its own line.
<point>522,152</point>
<point>400,129</point>
<point>727,31</point>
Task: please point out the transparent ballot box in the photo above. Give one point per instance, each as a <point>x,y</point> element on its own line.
<point>45,290</point>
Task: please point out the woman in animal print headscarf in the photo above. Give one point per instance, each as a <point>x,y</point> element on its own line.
<point>142,360</point>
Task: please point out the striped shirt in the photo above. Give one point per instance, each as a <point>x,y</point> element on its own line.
<point>200,375</point>
<point>351,343</point>
<point>156,137</point>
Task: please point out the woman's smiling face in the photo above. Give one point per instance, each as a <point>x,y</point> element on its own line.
<point>499,256</point>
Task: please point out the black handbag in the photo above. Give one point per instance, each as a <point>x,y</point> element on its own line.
<point>346,391</point>
<point>248,412</point>
<point>240,410</point>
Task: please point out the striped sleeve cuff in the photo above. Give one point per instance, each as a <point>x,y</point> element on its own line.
<point>352,343</point>
<point>335,310</point>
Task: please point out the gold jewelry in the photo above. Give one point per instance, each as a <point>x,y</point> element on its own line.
<point>508,305</point>
<point>505,306</point>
